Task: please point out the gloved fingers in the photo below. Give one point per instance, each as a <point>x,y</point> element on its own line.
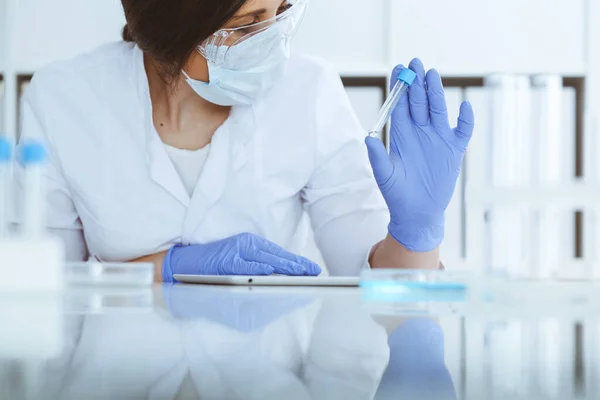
<point>417,95</point>
<point>395,73</point>
<point>466,123</point>
<point>251,268</point>
<point>271,248</point>
<point>283,266</point>
<point>438,109</point>
<point>401,112</point>
<point>381,163</point>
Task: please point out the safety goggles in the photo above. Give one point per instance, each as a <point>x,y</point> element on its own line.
<point>281,27</point>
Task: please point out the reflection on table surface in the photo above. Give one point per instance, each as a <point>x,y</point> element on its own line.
<point>197,342</point>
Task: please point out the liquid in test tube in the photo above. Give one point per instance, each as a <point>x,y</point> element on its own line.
<point>405,79</point>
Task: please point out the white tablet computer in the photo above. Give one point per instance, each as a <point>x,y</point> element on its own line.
<point>272,280</point>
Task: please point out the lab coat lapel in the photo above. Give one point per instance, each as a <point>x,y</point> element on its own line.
<point>244,127</point>
<point>163,171</point>
<point>211,184</point>
<point>228,154</point>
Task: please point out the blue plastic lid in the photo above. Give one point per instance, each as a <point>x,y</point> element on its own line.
<point>407,76</point>
<point>32,153</point>
<point>5,150</point>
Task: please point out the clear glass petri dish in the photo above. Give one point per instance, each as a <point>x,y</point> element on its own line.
<point>109,274</point>
<point>86,299</point>
<point>414,285</point>
<point>414,279</point>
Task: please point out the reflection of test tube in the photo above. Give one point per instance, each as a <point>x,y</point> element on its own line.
<point>5,181</point>
<point>33,157</point>
<point>405,79</point>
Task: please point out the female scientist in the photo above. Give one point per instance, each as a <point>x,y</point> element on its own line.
<point>198,143</point>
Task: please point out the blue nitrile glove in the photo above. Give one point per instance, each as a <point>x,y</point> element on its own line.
<point>418,177</point>
<point>244,254</point>
<point>247,311</point>
<point>417,369</point>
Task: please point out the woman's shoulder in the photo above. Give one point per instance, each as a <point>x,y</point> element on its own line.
<point>305,78</point>
<point>309,69</point>
<point>308,62</point>
<point>106,63</point>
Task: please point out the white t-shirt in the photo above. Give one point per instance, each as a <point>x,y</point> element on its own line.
<point>189,164</point>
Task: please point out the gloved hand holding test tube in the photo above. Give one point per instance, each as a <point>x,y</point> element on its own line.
<point>418,177</point>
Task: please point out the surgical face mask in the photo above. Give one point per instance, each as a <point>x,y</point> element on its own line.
<point>244,63</point>
<point>249,71</point>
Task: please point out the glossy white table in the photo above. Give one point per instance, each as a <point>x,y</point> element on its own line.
<point>187,342</point>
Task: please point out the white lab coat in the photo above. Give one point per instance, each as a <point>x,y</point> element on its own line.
<point>109,177</point>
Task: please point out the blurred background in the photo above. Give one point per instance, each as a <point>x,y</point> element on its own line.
<point>525,201</point>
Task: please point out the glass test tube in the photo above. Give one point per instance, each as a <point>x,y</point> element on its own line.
<point>405,79</point>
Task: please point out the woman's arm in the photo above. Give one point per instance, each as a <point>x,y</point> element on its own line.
<point>391,254</point>
<point>242,254</point>
<point>347,210</point>
<point>418,177</point>
<point>156,259</point>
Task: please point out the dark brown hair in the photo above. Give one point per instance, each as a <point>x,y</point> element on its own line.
<point>171,30</point>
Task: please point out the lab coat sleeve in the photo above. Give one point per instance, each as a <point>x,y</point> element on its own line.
<point>347,211</point>
<point>62,218</point>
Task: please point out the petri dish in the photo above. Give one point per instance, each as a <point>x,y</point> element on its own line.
<point>414,279</point>
<point>90,300</point>
<point>109,274</point>
<point>414,285</point>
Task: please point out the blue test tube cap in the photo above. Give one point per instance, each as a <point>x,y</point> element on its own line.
<point>32,153</point>
<point>407,76</point>
<point>5,150</point>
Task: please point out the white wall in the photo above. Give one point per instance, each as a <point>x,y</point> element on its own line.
<point>459,37</point>
<point>44,31</point>
<point>349,33</point>
<point>476,37</point>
